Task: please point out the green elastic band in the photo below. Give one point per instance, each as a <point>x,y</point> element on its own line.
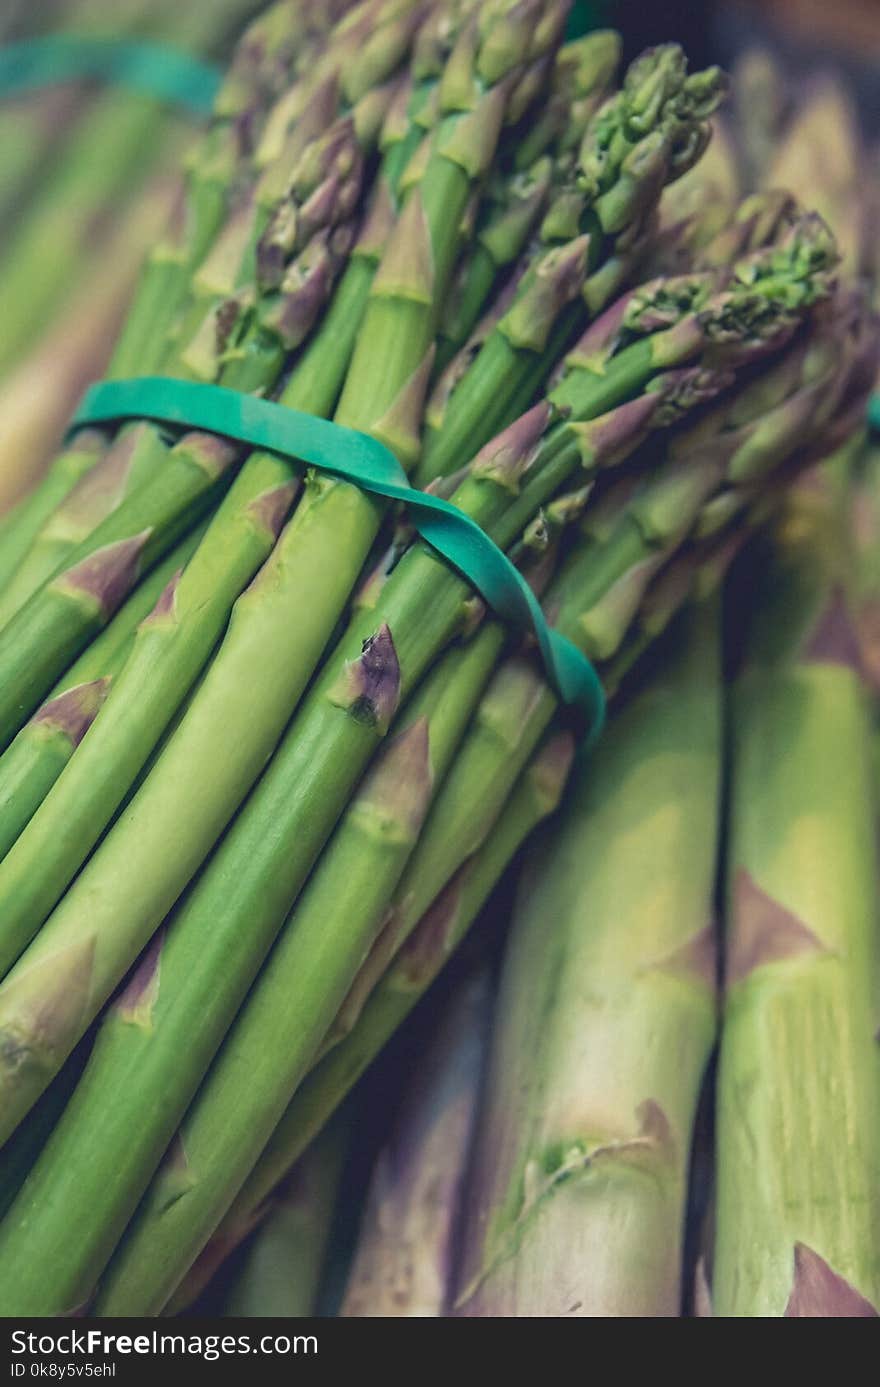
<point>358,458</point>
<point>166,73</point>
<point>874,412</point>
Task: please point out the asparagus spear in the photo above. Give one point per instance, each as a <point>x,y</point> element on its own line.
<point>606,1021</point>
<point>403,1264</point>
<point>273,49</point>
<point>801,953</point>
<point>444,924</point>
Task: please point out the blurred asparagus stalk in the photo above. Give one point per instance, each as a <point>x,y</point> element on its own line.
<point>281,1271</point>
<point>119,138</point>
<point>404,1262</point>
<point>606,1019</point>
<point>798,1209</point>
<point>38,397</point>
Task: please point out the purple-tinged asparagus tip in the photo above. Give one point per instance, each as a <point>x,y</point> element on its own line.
<point>505,459</point>
<point>401,424</point>
<point>369,688</point>
<point>686,389</point>
<point>397,790</point>
<point>138,998</point>
<point>592,350</point>
<point>605,440</point>
<point>106,577</point>
<point>696,960</point>
<point>430,943</point>
<point>270,510</point>
<point>550,769</point>
<point>557,281</point>
<point>833,640</point>
<point>406,270</point>
<point>73,712</point>
<point>763,932</point>
<point>818,1292</point>
<point>48,1002</point>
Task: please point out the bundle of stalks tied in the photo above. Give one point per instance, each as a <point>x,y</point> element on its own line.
<point>264,752</point>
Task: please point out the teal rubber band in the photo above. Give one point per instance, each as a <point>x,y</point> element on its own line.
<point>874,412</point>
<point>359,458</point>
<point>167,73</point>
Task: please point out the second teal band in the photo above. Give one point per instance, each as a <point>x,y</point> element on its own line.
<point>168,74</point>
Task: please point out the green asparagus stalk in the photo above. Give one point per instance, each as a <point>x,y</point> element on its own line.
<point>403,1264</point>
<point>100,491</point>
<point>281,1272</point>
<point>422,958</point>
<point>801,953</point>
<point>606,1021</point>
<point>22,527</point>
<point>33,762</point>
<point>57,622</point>
<point>274,603</point>
<point>645,136</point>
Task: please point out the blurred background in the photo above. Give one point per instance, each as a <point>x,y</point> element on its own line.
<point>810,34</point>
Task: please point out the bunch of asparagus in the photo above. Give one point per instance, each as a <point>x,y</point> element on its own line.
<point>265,752</point>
